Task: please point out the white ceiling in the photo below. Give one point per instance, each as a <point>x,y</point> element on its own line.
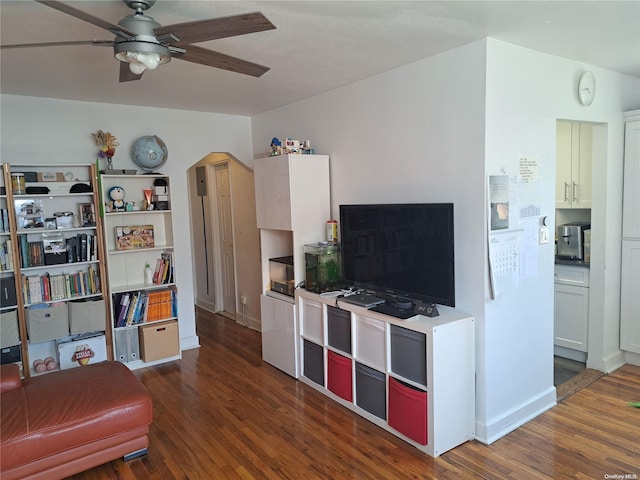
<point>317,46</point>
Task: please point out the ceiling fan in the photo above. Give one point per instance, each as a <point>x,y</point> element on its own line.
<point>142,44</point>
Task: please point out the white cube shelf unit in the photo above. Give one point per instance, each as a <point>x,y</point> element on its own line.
<point>415,378</point>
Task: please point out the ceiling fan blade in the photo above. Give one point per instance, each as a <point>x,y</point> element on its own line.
<point>220,60</point>
<point>95,43</point>
<point>204,30</point>
<point>74,12</point>
<point>126,75</point>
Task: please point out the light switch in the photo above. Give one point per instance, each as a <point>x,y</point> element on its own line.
<point>544,235</point>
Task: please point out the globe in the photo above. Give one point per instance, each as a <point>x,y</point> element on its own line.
<point>149,152</point>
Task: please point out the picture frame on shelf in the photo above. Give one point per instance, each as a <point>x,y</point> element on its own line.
<point>28,206</point>
<point>134,237</point>
<point>50,223</point>
<point>87,214</point>
<point>30,222</point>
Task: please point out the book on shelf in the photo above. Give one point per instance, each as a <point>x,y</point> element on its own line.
<point>4,220</point>
<point>122,301</point>
<point>6,256</point>
<point>132,307</point>
<point>163,272</point>
<point>46,287</point>
<point>31,253</point>
<point>144,306</point>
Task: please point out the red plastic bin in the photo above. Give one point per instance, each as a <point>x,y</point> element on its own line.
<point>408,410</point>
<point>339,375</point>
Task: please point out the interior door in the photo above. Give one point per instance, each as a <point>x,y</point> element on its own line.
<point>223,197</point>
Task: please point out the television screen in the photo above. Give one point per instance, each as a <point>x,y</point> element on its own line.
<point>404,250</point>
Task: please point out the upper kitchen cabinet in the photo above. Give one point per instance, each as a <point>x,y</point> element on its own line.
<point>631,208</point>
<point>573,164</point>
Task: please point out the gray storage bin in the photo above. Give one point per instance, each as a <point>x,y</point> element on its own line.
<point>314,362</point>
<point>371,391</point>
<point>339,328</point>
<point>409,354</point>
<point>88,316</point>
<point>9,333</point>
<point>45,324</point>
<point>10,355</point>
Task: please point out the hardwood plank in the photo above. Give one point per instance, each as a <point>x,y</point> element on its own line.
<point>222,413</point>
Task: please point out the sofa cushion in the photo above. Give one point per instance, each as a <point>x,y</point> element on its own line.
<point>72,408</point>
<point>13,414</point>
<point>9,377</point>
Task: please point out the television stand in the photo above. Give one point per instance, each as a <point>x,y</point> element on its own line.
<point>413,378</point>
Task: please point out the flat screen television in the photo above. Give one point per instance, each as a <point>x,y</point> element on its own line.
<point>400,250</point>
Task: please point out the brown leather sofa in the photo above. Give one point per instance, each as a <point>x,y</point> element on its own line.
<point>65,422</point>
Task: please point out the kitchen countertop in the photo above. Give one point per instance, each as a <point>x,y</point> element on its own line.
<point>572,263</point>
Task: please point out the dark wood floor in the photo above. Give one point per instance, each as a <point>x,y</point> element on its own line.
<point>565,369</point>
<point>221,413</point>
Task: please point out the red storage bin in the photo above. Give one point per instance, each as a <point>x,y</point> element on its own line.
<point>408,410</point>
<point>339,375</point>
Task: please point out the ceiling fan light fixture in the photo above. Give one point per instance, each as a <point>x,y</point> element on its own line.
<point>141,55</point>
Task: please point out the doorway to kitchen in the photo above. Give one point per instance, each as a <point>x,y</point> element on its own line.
<point>580,156</point>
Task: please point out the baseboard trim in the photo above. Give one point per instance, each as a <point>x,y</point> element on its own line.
<point>609,364</point>
<point>206,305</point>
<point>508,422</point>
<point>632,358</point>
<point>187,343</point>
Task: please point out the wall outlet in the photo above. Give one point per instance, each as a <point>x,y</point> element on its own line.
<point>243,299</point>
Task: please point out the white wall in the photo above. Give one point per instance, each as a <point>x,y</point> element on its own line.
<point>47,131</point>
<point>424,133</point>
<point>526,93</point>
<point>413,134</point>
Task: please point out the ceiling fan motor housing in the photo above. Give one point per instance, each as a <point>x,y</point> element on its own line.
<point>144,48</point>
<point>139,5</point>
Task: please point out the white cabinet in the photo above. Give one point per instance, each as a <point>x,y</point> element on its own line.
<point>292,208</point>
<point>135,237</point>
<point>279,334</point>
<point>573,164</point>
<point>571,315</point>
<point>631,196</point>
<point>291,191</point>
<point>630,278</point>
<point>414,378</point>
<point>630,296</point>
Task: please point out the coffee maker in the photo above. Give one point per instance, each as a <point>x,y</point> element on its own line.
<point>571,240</point>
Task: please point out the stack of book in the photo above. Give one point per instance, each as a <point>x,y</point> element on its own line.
<point>6,256</point>
<point>46,288</point>
<point>163,273</point>
<point>134,308</point>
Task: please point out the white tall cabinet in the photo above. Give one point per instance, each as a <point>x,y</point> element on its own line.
<point>292,207</point>
<point>630,280</point>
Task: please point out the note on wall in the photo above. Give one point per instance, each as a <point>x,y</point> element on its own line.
<point>529,187</point>
<point>504,260</point>
<point>498,202</point>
